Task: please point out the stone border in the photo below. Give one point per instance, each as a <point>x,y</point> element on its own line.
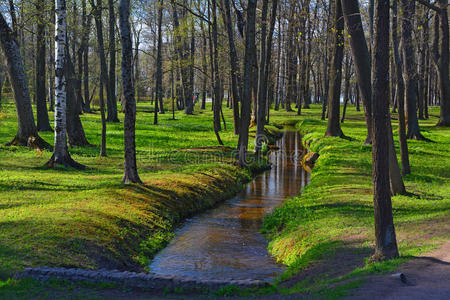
<point>135,280</point>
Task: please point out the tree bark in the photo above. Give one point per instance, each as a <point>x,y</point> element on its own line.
<point>234,67</point>
<point>217,104</point>
<point>86,21</point>
<point>159,74</point>
<point>385,239</point>
<point>442,65</point>
<point>400,93</point>
<point>262,91</point>
<point>408,9</point>
<point>130,168</point>
<point>75,131</point>
<point>61,156</point>
<point>249,68</point>
<point>27,134</point>
<point>112,99</point>
<point>334,101</point>
<point>43,122</point>
<point>361,57</point>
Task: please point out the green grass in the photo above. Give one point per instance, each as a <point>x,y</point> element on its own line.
<point>88,219</point>
<point>335,211</point>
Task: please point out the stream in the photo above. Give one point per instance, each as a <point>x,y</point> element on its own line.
<point>225,242</point>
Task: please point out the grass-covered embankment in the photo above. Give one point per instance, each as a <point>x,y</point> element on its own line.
<point>328,231</point>
<point>88,219</point>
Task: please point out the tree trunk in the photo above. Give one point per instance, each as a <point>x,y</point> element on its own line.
<point>249,68</point>
<point>385,240</point>
<point>217,104</point>
<point>61,154</point>
<point>442,65</point>
<point>334,101</point>
<point>205,67</point>
<point>262,90</point>
<point>27,132</point>
<point>361,57</point>
<point>85,46</point>
<point>159,72</point>
<point>400,93</point>
<point>234,67</point>
<point>75,131</point>
<point>291,58</point>
<point>43,123</point>
<point>347,73</point>
<point>130,168</point>
<point>408,9</point>
<point>112,100</point>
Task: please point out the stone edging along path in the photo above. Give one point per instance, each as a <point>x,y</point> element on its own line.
<point>134,280</point>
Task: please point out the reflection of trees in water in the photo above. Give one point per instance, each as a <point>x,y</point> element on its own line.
<point>226,241</point>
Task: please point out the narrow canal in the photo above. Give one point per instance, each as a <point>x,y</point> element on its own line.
<point>225,242</point>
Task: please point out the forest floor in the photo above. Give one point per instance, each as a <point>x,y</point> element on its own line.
<point>324,236</point>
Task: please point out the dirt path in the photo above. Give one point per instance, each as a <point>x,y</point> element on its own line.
<point>428,277</point>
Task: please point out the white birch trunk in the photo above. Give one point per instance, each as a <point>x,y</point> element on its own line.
<point>60,82</point>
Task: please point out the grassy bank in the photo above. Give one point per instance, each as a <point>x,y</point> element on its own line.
<point>88,219</point>
<point>327,232</point>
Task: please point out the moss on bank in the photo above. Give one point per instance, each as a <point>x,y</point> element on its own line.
<point>88,219</point>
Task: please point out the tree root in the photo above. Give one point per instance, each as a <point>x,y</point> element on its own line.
<point>418,137</point>
<point>33,142</point>
<point>65,162</point>
<point>443,124</point>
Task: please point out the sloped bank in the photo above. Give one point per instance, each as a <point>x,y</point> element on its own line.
<point>171,198</point>
<point>327,232</point>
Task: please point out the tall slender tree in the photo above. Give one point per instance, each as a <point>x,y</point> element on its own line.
<point>400,92</point>
<point>385,239</point>
<point>408,9</point>
<point>27,134</point>
<point>334,100</point>
<point>61,156</point>
<point>159,71</point>
<point>249,68</point>
<point>130,168</point>
<point>43,123</point>
<point>361,57</point>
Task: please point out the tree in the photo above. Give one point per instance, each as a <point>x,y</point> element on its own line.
<point>249,68</point>
<point>262,85</point>
<point>362,65</point>
<point>130,168</point>
<point>234,66</point>
<point>361,57</point>
<point>385,239</point>
<point>441,59</point>
<point>408,9</point>
<point>111,104</point>
<point>112,100</point>
<point>43,123</point>
<point>159,73</point>
<point>27,134</point>
<point>61,156</point>
<point>400,93</point>
<point>334,100</point>
<point>217,101</point>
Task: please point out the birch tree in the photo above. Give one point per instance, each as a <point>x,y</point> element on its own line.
<point>61,156</point>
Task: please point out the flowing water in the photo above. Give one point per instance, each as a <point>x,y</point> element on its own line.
<point>225,242</point>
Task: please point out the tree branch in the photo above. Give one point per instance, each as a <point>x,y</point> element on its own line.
<point>429,5</point>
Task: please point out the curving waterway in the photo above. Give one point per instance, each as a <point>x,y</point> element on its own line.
<point>225,242</point>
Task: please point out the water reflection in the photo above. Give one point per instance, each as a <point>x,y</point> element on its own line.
<point>225,243</point>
